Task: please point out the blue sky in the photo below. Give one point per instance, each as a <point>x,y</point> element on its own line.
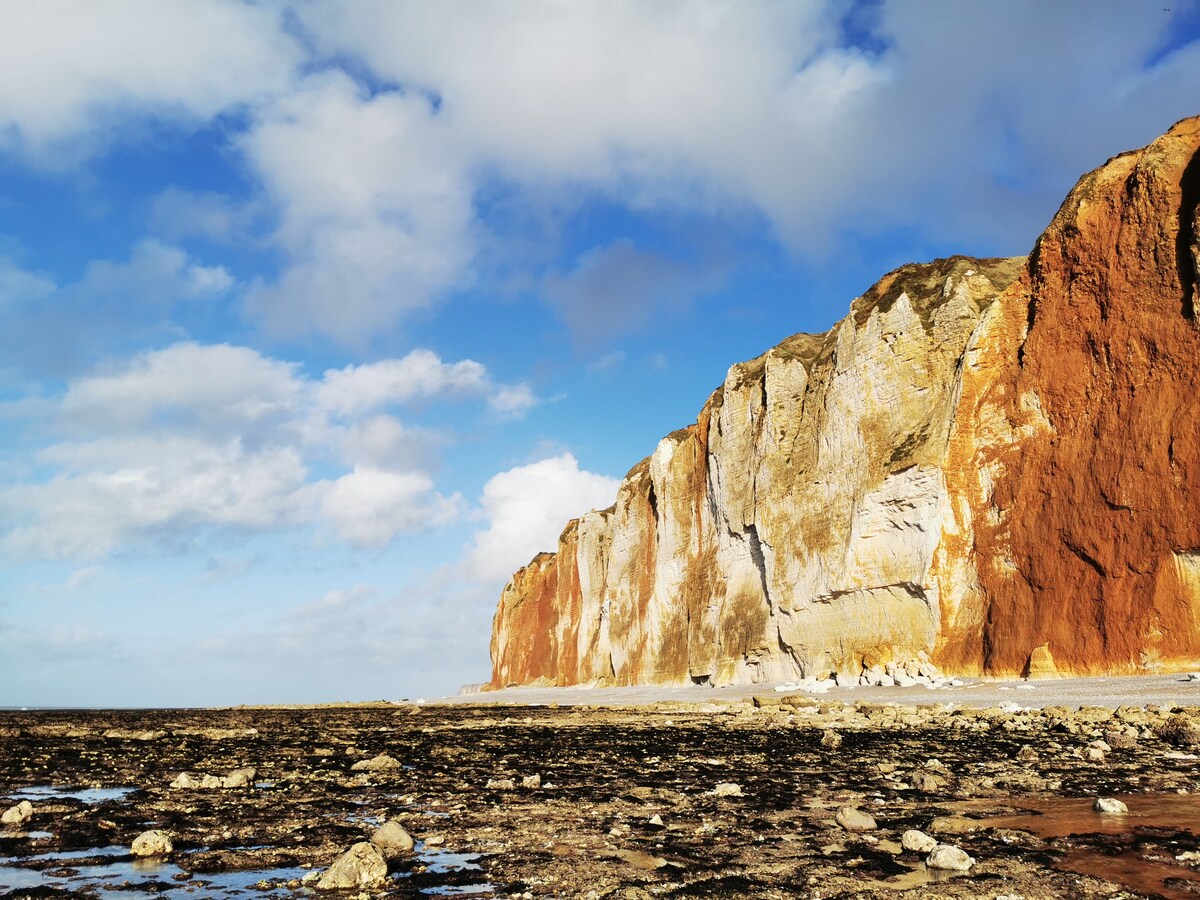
<point>318,319</point>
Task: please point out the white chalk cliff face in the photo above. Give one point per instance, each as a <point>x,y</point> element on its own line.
<point>877,493</point>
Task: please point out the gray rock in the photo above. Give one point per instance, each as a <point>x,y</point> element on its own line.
<point>831,740</point>
<point>917,841</point>
<point>949,858</point>
<point>240,778</point>
<point>380,763</point>
<point>392,839</point>
<point>855,819</point>
<point>152,843</point>
<point>19,814</point>
<point>1109,805</point>
<point>362,866</point>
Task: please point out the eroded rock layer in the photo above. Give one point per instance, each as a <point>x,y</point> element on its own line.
<point>983,459</point>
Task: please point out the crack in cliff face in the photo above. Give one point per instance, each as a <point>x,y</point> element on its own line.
<point>1187,241</point>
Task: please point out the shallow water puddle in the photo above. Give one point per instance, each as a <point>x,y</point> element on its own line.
<point>168,880</point>
<point>86,795</point>
<point>1059,817</point>
<point>1052,817</point>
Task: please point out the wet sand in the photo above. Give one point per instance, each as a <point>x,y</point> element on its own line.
<point>623,801</point>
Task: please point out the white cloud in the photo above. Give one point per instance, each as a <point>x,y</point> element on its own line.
<point>374,202</point>
<point>420,375</point>
<point>370,506</point>
<point>526,508</point>
<point>19,286</point>
<point>71,72</point>
<point>174,443</point>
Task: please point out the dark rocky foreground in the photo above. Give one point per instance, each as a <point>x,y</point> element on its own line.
<point>968,778</point>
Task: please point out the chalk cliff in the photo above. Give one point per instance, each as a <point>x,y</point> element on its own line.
<point>985,458</point>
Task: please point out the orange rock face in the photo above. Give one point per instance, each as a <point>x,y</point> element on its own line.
<point>1094,545</point>
<point>990,462</point>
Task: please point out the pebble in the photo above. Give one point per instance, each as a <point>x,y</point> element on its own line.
<point>853,819</point>
<point>831,739</point>
<point>152,843</point>
<point>950,858</point>
<point>19,814</point>
<point>531,782</point>
<point>1109,805</point>
<point>359,867</point>
<point>917,841</point>
<point>380,763</point>
<point>392,838</point>
<point>501,784</point>
<point>656,821</point>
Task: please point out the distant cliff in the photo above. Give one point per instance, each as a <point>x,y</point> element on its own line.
<point>983,457</point>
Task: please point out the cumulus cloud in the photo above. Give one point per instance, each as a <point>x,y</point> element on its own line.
<point>526,508</point>
<point>113,306</point>
<point>71,73</point>
<point>174,443</point>
<point>374,202</point>
<point>20,286</point>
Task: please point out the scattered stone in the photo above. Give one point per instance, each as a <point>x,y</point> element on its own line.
<point>926,783</point>
<point>728,789</point>
<point>1109,805</point>
<point>152,843</point>
<point>531,782</point>
<point>917,841</point>
<point>949,858</point>
<point>501,784</point>
<point>240,778</point>
<point>831,739</point>
<point>853,819</point>
<point>656,821</point>
<point>392,839</point>
<point>953,825</point>
<point>18,815</point>
<point>362,866</point>
<point>380,763</point>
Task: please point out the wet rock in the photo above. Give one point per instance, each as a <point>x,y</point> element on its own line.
<point>380,763</point>
<point>831,739</point>
<point>917,841</point>
<point>728,789</point>
<point>152,843</point>
<point>949,858</point>
<point>362,866</point>
<point>240,778</point>
<point>18,814</point>
<point>853,819</point>
<point>927,783</point>
<point>953,825</point>
<point>392,839</point>
<point>1109,805</point>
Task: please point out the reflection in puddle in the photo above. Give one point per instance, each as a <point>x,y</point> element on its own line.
<point>1058,817</point>
<point>167,879</point>
<point>1062,816</point>
<point>87,795</point>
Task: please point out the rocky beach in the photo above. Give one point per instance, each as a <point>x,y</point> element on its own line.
<point>972,791</point>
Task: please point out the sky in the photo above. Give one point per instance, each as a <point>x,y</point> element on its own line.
<point>317,320</point>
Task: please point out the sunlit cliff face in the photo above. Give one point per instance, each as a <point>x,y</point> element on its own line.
<point>984,457</point>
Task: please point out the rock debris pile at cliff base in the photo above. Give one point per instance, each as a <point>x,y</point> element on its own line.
<point>769,797</point>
